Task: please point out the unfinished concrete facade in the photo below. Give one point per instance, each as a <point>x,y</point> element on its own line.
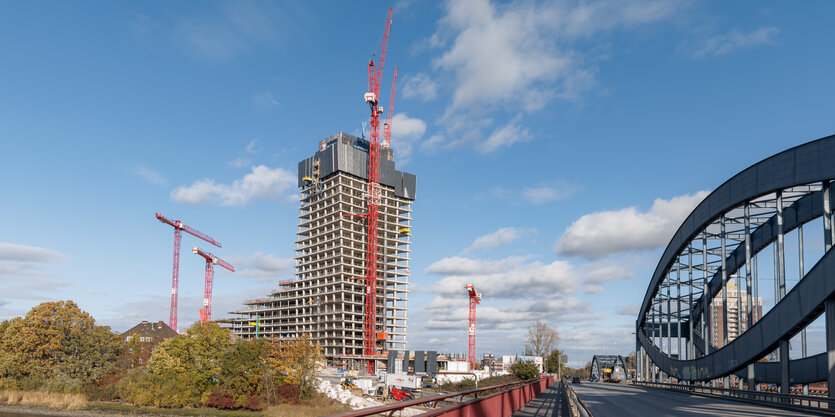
<point>326,298</point>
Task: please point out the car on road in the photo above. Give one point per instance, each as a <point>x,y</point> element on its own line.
<point>575,380</point>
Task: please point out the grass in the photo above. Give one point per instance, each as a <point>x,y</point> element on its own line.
<point>44,399</point>
<point>317,405</point>
<point>132,409</point>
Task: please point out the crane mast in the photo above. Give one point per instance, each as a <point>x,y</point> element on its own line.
<point>375,77</point>
<point>387,126</point>
<point>175,275</point>
<point>211,261</point>
<point>475,299</point>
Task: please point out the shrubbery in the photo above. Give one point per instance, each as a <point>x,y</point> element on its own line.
<point>58,348</point>
<point>525,370</point>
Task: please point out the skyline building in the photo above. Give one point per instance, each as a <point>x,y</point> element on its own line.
<point>326,297</point>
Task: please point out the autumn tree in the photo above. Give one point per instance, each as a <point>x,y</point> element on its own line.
<point>541,339</point>
<point>243,371</point>
<point>56,340</point>
<point>184,368</point>
<point>295,362</point>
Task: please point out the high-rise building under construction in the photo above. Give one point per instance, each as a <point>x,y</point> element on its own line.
<point>326,298</point>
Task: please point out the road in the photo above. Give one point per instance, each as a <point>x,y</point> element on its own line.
<point>620,400</point>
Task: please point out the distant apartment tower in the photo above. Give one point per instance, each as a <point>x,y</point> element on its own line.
<point>326,298</point>
<point>716,316</point>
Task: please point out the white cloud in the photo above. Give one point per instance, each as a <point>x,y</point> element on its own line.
<point>252,147</point>
<point>607,232</point>
<point>150,175</point>
<point>262,267</point>
<point>504,137</point>
<point>496,239</point>
<point>264,101</point>
<point>14,252</point>
<point>546,193</point>
<point>23,270</point>
<point>451,313</point>
<point>508,59</point>
<point>458,265</point>
<point>598,273</point>
<point>593,289</point>
<point>405,132</point>
<point>504,52</point>
<point>261,183</point>
<point>420,86</point>
<point>736,40</point>
<point>510,277</point>
<point>538,194</point>
<point>239,162</point>
<point>628,310</point>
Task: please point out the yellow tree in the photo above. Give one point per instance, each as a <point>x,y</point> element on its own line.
<point>56,337</point>
<point>295,362</point>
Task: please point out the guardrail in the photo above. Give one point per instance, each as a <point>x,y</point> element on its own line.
<point>575,405</point>
<point>486,401</point>
<point>817,404</point>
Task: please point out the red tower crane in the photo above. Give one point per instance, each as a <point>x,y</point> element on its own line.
<point>387,126</point>
<point>175,276</point>
<point>375,78</point>
<point>211,260</point>
<point>475,299</point>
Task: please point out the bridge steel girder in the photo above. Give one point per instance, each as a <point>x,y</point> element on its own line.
<point>803,165</point>
<point>612,361</point>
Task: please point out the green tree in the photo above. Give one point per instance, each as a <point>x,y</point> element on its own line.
<point>185,368</point>
<point>552,361</point>
<point>242,369</point>
<point>56,339</point>
<point>525,370</point>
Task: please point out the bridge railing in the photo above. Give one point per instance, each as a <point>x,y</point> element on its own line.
<point>499,400</point>
<point>575,405</point>
<point>815,403</point>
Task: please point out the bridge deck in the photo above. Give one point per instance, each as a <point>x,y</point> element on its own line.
<point>620,400</point>
<point>548,403</point>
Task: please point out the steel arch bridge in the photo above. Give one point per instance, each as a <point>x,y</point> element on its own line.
<point>700,319</point>
<point>599,363</point>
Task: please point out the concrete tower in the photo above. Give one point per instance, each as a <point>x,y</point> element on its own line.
<point>326,298</point>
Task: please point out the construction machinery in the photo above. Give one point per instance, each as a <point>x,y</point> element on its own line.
<point>400,395</point>
<point>375,78</point>
<point>211,261</point>
<point>475,299</point>
<point>178,227</point>
<point>348,383</point>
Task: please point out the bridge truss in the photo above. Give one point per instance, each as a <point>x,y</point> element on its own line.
<point>700,319</point>
<point>614,365</point>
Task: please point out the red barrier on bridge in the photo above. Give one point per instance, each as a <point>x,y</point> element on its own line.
<point>500,404</point>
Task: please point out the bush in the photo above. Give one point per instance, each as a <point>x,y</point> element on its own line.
<point>465,384</point>
<point>525,370</point>
<point>498,380</point>
<point>254,403</point>
<point>105,389</point>
<point>287,394</point>
<point>136,387</point>
<point>61,383</point>
<point>222,400</point>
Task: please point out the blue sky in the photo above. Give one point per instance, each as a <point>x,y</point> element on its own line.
<point>557,145</point>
